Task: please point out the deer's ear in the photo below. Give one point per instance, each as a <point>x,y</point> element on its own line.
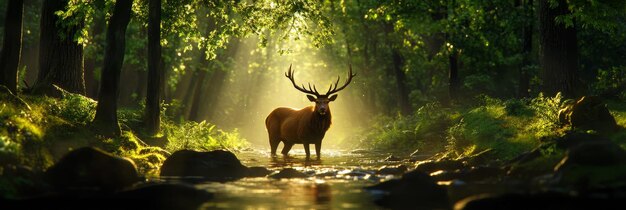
<point>333,97</point>
<point>311,98</point>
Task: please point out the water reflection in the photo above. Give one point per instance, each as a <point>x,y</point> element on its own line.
<point>289,194</point>
<point>336,182</point>
<point>283,161</point>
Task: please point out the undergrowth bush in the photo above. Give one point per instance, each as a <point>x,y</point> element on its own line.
<point>423,129</point>
<point>508,127</point>
<point>40,135</point>
<point>201,136</point>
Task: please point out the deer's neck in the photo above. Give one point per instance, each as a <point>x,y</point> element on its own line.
<point>320,122</point>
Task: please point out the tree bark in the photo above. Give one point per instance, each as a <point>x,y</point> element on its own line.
<point>60,56</point>
<point>189,93</point>
<point>559,51</point>
<point>527,47</point>
<point>216,85</point>
<point>152,118</point>
<point>12,47</point>
<point>91,61</point>
<point>106,111</point>
<point>403,92</point>
<point>197,95</point>
<point>454,81</point>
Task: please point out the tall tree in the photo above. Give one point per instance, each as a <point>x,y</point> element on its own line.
<point>197,94</point>
<point>60,55</point>
<point>454,82</point>
<point>559,50</point>
<point>106,110</point>
<point>403,92</point>
<point>155,72</point>
<point>527,47</point>
<point>92,59</point>
<point>398,71</point>
<point>12,47</point>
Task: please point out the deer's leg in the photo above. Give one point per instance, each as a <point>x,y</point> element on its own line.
<point>306,150</point>
<point>274,145</point>
<point>318,148</point>
<point>274,141</point>
<point>286,148</point>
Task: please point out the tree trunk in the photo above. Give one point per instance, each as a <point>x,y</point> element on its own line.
<point>60,57</point>
<point>106,111</point>
<point>140,88</point>
<point>189,93</point>
<point>152,118</point>
<point>453,76</point>
<point>12,47</point>
<point>91,62</point>
<point>403,92</point>
<point>559,52</point>
<point>527,47</point>
<point>197,96</point>
<point>216,84</point>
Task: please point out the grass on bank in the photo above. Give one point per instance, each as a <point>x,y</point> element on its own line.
<point>38,136</point>
<point>509,127</point>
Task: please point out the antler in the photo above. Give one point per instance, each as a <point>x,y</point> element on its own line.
<point>332,90</point>
<point>313,91</point>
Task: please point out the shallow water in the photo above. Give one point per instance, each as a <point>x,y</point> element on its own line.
<point>336,182</point>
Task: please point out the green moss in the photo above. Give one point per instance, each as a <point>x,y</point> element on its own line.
<point>38,136</point>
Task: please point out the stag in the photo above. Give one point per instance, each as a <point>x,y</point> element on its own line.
<point>305,126</point>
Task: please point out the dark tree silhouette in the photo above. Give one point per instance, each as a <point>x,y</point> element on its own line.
<point>60,56</point>
<point>454,81</point>
<point>12,47</point>
<point>106,111</point>
<point>398,73</point>
<point>527,47</point>
<point>155,72</point>
<point>403,92</point>
<point>559,51</point>
<point>98,29</point>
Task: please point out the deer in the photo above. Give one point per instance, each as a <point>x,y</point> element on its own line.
<point>307,125</point>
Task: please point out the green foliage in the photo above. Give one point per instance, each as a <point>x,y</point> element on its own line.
<point>517,108</point>
<point>487,127</point>
<point>618,110</point>
<point>41,135</point>
<point>289,20</point>
<point>9,150</point>
<point>201,136</point>
<point>77,108</point>
<point>424,129</point>
<point>508,127</point>
<point>546,119</point>
<point>147,159</point>
<point>599,15</point>
<point>611,79</point>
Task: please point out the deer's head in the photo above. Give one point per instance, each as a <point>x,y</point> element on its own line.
<point>321,100</point>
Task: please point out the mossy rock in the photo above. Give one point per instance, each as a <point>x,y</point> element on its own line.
<point>89,168</point>
<point>588,113</point>
<point>216,165</point>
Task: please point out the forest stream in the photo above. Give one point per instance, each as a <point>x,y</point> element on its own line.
<point>336,181</point>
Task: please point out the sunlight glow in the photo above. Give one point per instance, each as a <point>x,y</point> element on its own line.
<point>258,85</point>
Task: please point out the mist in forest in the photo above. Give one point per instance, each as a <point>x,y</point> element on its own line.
<point>256,85</point>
